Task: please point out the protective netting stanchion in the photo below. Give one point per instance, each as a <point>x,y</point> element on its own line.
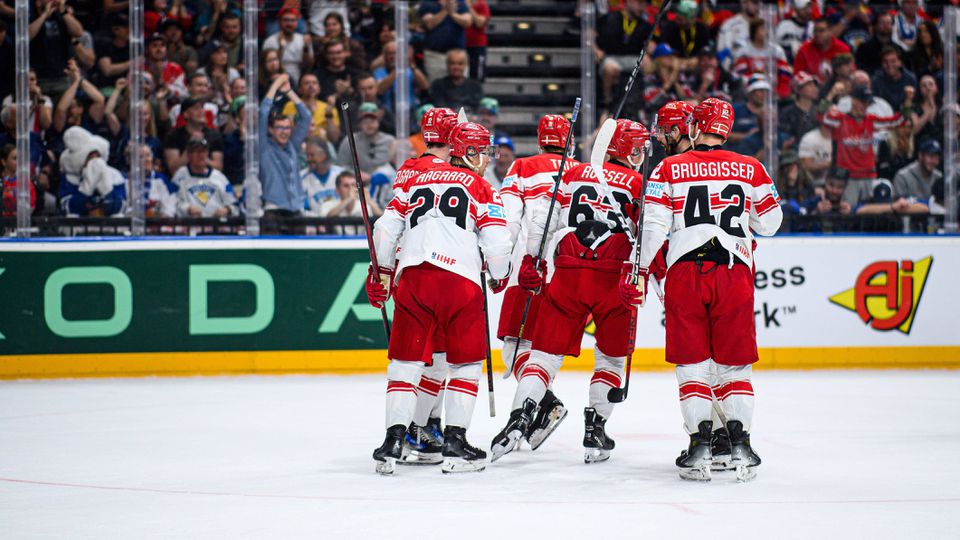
<point>951,15</point>
<point>401,86</point>
<point>23,119</point>
<point>251,113</point>
<point>136,199</point>
<point>588,77</point>
<point>769,14</point>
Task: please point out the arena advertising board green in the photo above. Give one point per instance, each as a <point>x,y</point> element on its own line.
<point>155,296</point>
<point>290,295</point>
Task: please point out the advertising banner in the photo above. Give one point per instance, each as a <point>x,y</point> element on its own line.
<point>215,305</point>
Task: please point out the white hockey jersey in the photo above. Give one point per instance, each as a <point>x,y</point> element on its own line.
<point>209,191</point>
<point>702,194</point>
<point>440,217</point>
<point>526,191</point>
<point>582,197</point>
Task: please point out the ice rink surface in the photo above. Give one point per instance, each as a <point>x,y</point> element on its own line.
<point>846,454</point>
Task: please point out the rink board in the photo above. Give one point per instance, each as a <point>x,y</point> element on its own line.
<point>209,306</point>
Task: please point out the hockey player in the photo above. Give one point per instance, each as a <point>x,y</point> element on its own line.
<point>527,189</point>
<point>672,132</point>
<point>424,440</point>
<point>711,201</point>
<point>438,219</point>
<point>671,128</point>
<point>590,249</point>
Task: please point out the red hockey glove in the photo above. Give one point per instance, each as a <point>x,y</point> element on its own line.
<point>532,277</point>
<point>633,292</point>
<point>658,267</point>
<point>378,291</point>
<point>497,285</point>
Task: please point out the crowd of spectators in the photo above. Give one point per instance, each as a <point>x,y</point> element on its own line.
<point>314,56</point>
<point>858,85</point>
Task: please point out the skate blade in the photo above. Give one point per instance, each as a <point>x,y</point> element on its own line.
<point>416,458</point>
<point>387,467</point>
<point>595,455</point>
<point>745,473</point>
<point>696,474</point>
<point>498,451</point>
<point>460,465</point>
<point>539,436</point>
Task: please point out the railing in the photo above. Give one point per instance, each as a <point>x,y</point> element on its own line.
<point>59,226</point>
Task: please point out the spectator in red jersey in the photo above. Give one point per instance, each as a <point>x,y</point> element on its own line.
<point>157,12</point>
<point>815,54</point>
<point>164,72</point>
<point>476,35</point>
<point>8,182</point>
<point>751,58</point>
<point>853,136</point>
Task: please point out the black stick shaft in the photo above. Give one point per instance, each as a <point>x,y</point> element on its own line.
<point>643,52</point>
<point>546,225</point>
<point>486,322</point>
<point>617,395</point>
<point>361,192</point>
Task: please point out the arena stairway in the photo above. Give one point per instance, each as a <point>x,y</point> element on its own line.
<point>533,64</point>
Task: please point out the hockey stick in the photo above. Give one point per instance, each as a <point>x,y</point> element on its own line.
<point>486,322</point>
<point>546,227</point>
<point>363,208</point>
<point>643,52</point>
<point>618,395</point>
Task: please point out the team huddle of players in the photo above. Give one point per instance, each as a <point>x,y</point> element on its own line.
<point>446,226</point>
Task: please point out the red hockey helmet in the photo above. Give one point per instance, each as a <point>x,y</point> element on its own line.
<point>675,114</point>
<point>553,130</point>
<point>628,140</point>
<point>436,124</point>
<point>714,116</point>
<point>469,139</point>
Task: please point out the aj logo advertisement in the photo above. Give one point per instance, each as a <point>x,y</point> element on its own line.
<point>886,294</point>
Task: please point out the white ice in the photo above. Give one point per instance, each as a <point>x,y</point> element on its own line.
<point>846,454</point>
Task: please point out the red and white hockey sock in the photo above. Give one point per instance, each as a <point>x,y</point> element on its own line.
<point>523,356</point>
<point>607,374</point>
<point>535,377</point>
<point>402,377</point>
<point>461,393</point>
<point>696,400</point>
<point>430,389</point>
<point>734,391</point>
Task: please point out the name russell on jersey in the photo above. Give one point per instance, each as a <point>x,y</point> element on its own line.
<point>713,170</point>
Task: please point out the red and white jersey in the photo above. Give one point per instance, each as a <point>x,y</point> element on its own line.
<point>582,197</point>
<point>527,189</point>
<point>414,166</point>
<point>440,217</point>
<point>854,140</point>
<point>702,194</point>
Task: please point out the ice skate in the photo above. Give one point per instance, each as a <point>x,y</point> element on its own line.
<point>507,439</point>
<point>742,457</point>
<point>695,461</point>
<point>390,451</point>
<point>720,448</point>
<point>458,454</point>
<point>551,412</point>
<point>423,445</point>
<point>595,439</point>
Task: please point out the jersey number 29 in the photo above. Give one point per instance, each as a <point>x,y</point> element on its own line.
<point>453,202</point>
